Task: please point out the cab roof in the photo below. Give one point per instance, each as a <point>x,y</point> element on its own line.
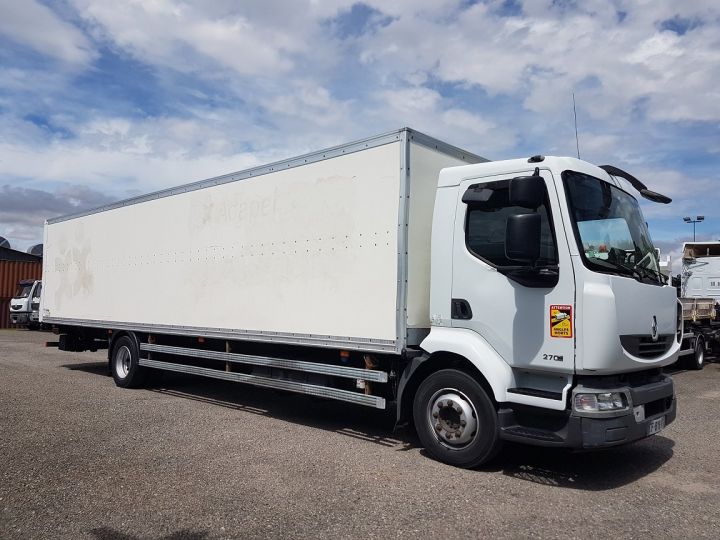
<point>452,176</point>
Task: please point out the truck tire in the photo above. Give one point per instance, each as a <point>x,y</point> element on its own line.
<point>696,361</point>
<point>124,364</point>
<point>455,419</point>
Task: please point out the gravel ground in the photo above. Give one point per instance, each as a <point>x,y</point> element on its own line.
<point>197,459</point>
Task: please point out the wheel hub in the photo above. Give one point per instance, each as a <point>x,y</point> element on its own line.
<point>123,361</point>
<point>453,418</point>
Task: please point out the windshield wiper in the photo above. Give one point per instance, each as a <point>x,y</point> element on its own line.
<point>617,266</point>
<point>634,271</point>
<point>651,272</point>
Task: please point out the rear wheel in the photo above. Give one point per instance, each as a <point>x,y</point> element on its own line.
<point>125,365</point>
<point>697,360</point>
<point>455,419</point>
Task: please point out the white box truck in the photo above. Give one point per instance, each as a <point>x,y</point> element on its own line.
<point>699,293</point>
<point>25,305</point>
<point>482,301</point>
<point>700,277</point>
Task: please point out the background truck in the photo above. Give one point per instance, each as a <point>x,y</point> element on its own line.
<point>398,272</point>
<point>699,293</point>
<point>25,305</point>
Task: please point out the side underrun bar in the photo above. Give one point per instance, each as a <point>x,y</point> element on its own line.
<point>267,382</point>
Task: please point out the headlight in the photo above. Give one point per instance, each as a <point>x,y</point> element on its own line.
<point>607,401</point>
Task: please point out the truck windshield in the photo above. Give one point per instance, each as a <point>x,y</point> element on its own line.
<point>611,231</point>
<point>23,291</point>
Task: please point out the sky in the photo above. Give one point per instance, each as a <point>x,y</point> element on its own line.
<point>104,99</point>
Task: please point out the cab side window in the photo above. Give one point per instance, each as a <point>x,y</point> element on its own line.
<point>485,224</point>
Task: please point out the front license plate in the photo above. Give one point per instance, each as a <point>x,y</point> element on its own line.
<point>656,426</point>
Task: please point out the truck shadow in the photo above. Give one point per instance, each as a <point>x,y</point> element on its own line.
<point>591,471</point>
<point>371,425</point>
<point>96,368</point>
<point>108,533</point>
<point>588,471</point>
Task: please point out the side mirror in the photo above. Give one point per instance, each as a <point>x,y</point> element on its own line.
<point>522,238</point>
<point>527,191</point>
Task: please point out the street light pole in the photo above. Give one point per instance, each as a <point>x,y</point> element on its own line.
<point>697,219</point>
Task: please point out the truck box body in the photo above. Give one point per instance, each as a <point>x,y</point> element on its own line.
<point>701,270</point>
<point>311,250</point>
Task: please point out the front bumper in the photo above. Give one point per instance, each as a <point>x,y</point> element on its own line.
<point>579,431</point>
<point>19,318</point>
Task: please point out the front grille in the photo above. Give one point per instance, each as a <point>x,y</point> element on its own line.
<point>643,346</point>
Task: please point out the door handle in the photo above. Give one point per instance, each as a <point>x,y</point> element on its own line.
<point>460,309</point>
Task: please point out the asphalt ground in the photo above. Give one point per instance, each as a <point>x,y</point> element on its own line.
<point>200,459</point>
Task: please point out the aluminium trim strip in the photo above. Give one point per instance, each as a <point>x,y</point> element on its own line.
<point>314,340</point>
<point>443,147</point>
<point>305,159</point>
<point>277,384</point>
<point>281,363</point>
<point>402,240</point>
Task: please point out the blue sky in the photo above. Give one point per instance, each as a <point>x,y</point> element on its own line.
<point>100,100</point>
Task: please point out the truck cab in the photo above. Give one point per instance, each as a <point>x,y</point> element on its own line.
<point>545,277</point>
<point>25,305</point>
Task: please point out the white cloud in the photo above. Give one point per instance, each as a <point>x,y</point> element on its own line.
<point>309,102</point>
<point>32,24</point>
<point>186,35</point>
<point>122,154</point>
<point>238,84</point>
<point>543,56</point>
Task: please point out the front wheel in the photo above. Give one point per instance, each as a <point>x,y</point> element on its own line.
<point>455,419</point>
<point>125,364</point>
<point>697,360</point>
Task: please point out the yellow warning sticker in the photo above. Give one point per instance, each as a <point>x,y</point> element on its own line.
<point>561,321</point>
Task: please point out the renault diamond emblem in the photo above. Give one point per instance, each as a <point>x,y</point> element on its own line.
<point>653,329</point>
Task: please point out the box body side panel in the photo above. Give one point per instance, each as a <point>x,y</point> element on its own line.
<point>307,251</point>
<point>425,166</point>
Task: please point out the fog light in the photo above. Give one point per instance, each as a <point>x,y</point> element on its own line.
<point>606,401</point>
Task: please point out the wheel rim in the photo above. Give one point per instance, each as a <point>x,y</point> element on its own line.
<point>122,361</point>
<point>452,418</point>
<point>700,355</point>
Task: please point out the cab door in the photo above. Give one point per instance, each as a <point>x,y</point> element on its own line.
<point>528,316</point>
